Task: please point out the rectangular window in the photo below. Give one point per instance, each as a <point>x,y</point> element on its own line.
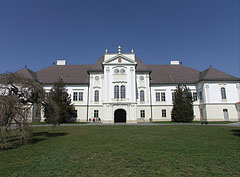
<point>194,96</point>
<point>95,113</point>
<point>223,93</point>
<point>157,96</point>
<point>75,94</point>
<point>142,113</point>
<point>200,95</point>
<point>96,95</point>
<point>142,96</point>
<point>173,96</point>
<point>74,113</point>
<point>47,94</point>
<point>163,97</point>
<point>80,96</point>
<point>164,113</point>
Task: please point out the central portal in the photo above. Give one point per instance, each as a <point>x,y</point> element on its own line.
<point>120,116</point>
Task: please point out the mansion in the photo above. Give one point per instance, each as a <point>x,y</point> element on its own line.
<point>119,87</point>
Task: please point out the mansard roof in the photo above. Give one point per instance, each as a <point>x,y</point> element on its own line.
<point>27,73</point>
<point>212,74</point>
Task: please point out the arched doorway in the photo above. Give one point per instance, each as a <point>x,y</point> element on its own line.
<point>119,115</point>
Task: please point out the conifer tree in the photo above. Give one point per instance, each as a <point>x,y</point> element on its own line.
<point>183,105</point>
<point>58,106</point>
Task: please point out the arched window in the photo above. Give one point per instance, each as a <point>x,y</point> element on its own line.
<point>116,91</point>
<point>141,95</point>
<point>123,91</point>
<point>223,93</point>
<point>96,95</point>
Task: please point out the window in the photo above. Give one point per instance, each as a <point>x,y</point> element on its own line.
<point>80,98</point>
<point>75,94</point>
<point>47,94</point>
<point>157,96</point>
<point>163,97</point>
<point>74,113</point>
<point>223,93</point>
<point>116,91</point>
<point>164,113</point>
<point>173,96</point>
<point>96,95</point>
<point>123,91</point>
<point>194,96</point>
<point>122,71</point>
<point>200,95</point>
<point>141,95</point>
<point>142,113</point>
<point>95,113</point>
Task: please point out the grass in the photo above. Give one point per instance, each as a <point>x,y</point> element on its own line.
<point>45,123</point>
<point>126,151</point>
<point>193,122</point>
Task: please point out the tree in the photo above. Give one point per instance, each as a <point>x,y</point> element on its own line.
<point>58,107</point>
<point>183,105</point>
<point>18,95</point>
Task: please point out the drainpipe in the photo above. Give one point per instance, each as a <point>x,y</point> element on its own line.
<point>150,97</point>
<point>88,97</point>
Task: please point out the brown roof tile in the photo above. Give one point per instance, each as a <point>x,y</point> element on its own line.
<point>172,74</point>
<point>212,74</point>
<point>27,73</point>
<point>160,74</point>
<point>71,74</point>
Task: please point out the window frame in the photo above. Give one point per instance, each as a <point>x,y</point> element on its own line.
<point>116,92</point>
<point>163,96</point>
<point>173,96</point>
<point>142,96</point>
<point>142,113</point>
<point>223,93</point>
<point>96,96</point>
<point>123,91</point>
<point>194,96</point>
<point>158,96</point>
<point>95,113</point>
<point>80,96</point>
<point>75,96</point>
<point>164,113</point>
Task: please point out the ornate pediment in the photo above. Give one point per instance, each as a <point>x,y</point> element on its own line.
<point>119,59</point>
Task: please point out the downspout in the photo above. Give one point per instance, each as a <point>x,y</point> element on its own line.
<point>150,96</point>
<point>88,97</point>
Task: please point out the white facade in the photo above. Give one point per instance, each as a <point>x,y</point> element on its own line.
<point>120,93</point>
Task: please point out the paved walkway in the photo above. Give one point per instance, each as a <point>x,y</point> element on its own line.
<point>237,124</point>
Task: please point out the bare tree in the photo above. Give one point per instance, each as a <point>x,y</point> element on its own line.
<point>18,96</point>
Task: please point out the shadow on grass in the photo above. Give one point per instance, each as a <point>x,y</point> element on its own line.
<point>44,135</point>
<point>236,132</point>
<point>15,142</point>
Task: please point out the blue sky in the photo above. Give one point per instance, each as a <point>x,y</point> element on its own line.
<point>197,32</point>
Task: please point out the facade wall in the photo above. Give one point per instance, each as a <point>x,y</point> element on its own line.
<point>215,112</point>
<point>144,102</point>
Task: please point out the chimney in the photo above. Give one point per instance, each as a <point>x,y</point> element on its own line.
<point>61,62</point>
<point>175,62</point>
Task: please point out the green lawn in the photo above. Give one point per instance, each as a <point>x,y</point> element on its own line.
<point>193,122</point>
<point>126,151</point>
